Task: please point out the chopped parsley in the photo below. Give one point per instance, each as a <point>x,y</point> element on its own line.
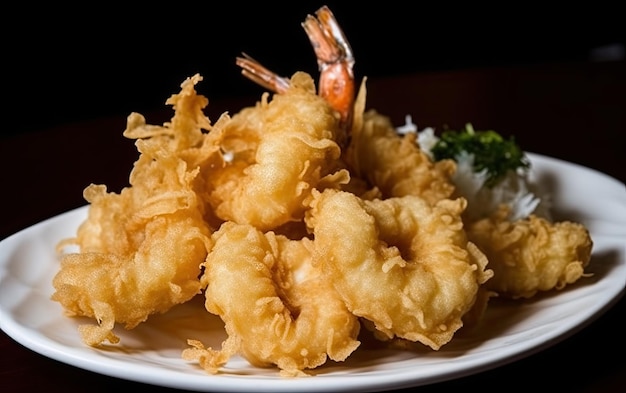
<point>492,153</point>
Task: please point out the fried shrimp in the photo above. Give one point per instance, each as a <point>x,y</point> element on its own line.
<point>279,151</point>
<point>531,255</point>
<point>509,216</point>
<point>277,308</point>
<point>140,251</point>
<point>394,164</point>
<point>302,221</point>
<point>401,263</point>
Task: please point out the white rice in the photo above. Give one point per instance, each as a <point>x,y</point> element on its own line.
<point>516,190</point>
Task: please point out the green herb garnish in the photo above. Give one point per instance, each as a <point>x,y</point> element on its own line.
<point>491,151</point>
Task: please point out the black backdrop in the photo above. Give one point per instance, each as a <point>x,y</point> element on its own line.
<point>66,64</point>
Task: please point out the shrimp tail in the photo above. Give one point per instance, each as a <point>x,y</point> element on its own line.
<point>335,60</point>
<point>257,73</point>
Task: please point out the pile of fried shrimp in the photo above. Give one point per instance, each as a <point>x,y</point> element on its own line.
<point>305,222</point>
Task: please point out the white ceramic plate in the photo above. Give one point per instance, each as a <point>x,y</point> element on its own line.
<point>151,352</point>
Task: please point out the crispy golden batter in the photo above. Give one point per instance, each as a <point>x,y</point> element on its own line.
<point>401,263</point>
<point>140,251</point>
<point>531,255</point>
<point>394,164</point>
<point>277,308</point>
<point>280,151</point>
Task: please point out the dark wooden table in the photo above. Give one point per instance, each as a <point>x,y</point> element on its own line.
<point>574,111</point>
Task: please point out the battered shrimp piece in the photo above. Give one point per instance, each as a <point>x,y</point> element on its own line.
<point>401,263</point>
<point>509,215</point>
<point>140,250</point>
<point>276,160</point>
<point>277,308</point>
<point>136,258</point>
<point>531,255</point>
<point>394,164</point>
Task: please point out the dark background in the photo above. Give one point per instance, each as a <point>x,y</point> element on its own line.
<point>84,62</point>
<point>65,65</point>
